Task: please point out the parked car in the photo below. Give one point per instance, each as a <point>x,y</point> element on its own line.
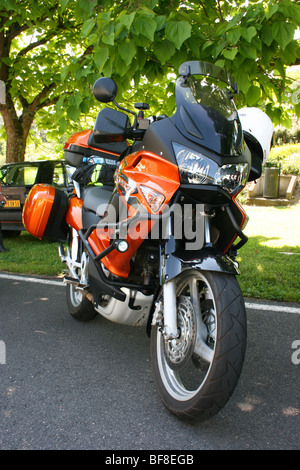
<point>18,178</point>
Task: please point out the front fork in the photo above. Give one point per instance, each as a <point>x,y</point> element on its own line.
<point>170,310</point>
<point>170,327</point>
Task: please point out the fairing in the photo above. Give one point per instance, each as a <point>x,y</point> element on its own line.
<point>139,169</point>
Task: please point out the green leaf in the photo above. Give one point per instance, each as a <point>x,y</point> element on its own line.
<point>62,125</point>
<point>193,45</point>
<point>283,33</point>
<point>120,65</point>
<point>289,54</point>
<point>10,5</point>
<point>127,50</point>
<point>230,53</point>
<point>59,107</point>
<point>286,121</point>
<point>75,100</point>
<point>218,48</point>
<point>271,10</point>
<point>290,10</point>
<point>253,95</point>
<point>73,113</point>
<point>104,17</point>
<point>87,27</point>
<point>84,106</point>
<point>64,72</point>
<point>267,34</point>
<point>87,7</point>
<point>160,22</point>
<point>107,69</point>
<point>177,32</point>
<point>108,36</point>
<point>220,63</point>
<point>234,35</point>
<point>297,110</point>
<point>126,20</point>
<point>164,50</point>
<point>100,57</point>
<point>145,26</point>
<point>63,3</point>
<point>248,33</point>
<point>178,58</point>
<point>242,79</point>
<point>248,51</point>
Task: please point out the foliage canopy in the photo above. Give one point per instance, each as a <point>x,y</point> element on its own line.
<point>51,52</point>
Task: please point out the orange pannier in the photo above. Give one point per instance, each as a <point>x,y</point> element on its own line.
<point>44,213</point>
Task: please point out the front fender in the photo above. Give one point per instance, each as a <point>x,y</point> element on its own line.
<point>207,259</point>
<point>173,262</point>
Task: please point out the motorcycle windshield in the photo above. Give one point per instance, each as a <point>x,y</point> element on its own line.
<point>206,113</point>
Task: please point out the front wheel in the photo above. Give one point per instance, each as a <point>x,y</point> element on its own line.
<point>196,373</point>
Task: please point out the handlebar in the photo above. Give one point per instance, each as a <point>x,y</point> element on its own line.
<point>135,134</point>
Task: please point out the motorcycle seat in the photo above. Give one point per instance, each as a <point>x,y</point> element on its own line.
<point>96,198</point>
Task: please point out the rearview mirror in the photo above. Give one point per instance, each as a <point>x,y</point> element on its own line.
<point>105,90</point>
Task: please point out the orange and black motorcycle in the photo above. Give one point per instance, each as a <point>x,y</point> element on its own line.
<point>153,240</point>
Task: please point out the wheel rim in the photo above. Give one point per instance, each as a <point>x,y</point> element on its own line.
<point>80,265</point>
<point>184,383</point>
<point>75,296</point>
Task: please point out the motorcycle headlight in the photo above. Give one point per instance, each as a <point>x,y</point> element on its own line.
<point>196,168</point>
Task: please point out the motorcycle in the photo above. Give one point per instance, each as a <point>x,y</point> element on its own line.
<point>153,241</point>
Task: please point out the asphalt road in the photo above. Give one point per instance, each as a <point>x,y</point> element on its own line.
<point>68,385</point>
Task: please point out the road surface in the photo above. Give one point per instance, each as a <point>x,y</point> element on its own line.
<point>69,385</point>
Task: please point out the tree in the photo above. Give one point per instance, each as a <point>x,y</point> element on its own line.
<point>52,52</point>
<point>37,39</point>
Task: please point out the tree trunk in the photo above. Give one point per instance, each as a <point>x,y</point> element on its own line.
<point>15,148</point>
<point>17,130</point>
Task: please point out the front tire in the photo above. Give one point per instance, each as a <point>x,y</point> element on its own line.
<point>211,318</point>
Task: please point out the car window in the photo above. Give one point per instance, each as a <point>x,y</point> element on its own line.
<point>58,175</point>
<point>69,172</point>
<point>19,175</point>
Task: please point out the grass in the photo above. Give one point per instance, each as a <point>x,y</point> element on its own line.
<point>28,255</point>
<point>270,261</point>
<point>266,270</point>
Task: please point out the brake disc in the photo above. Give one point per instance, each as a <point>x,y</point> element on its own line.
<point>178,351</point>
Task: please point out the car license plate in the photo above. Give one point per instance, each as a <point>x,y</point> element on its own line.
<point>12,203</point>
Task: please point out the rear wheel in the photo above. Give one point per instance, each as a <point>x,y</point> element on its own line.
<point>197,372</point>
<point>79,306</point>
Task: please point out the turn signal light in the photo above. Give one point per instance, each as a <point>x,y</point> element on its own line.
<point>154,198</point>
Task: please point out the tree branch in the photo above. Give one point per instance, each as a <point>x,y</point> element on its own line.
<point>14,31</point>
<point>33,45</point>
<point>204,9</point>
<point>220,11</point>
<point>39,101</point>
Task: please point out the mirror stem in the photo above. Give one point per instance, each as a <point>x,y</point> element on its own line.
<point>127,110</point>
